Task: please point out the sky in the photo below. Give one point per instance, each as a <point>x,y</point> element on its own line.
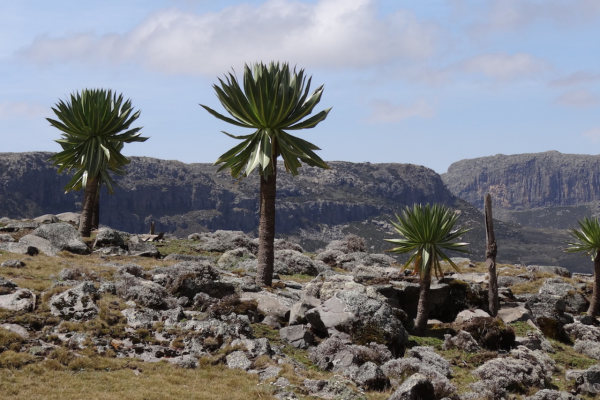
<point>426,82</point>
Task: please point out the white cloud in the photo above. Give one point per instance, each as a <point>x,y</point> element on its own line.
<point>576,78</point>
<point>504,66</point>
<point>386,112</point>
<point>578,98</point>
<point>592,134</point>
<point>15,110</point>
<point>514,14</point>
<point>328,33</point>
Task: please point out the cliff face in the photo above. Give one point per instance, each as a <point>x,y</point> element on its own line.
<point>184,198</point>
<point>527,181</point>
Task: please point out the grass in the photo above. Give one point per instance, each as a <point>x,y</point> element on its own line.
<point>181,246</point>
<point>300,278</point>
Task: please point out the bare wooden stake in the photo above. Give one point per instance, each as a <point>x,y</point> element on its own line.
<point>152,228</point>
<point>490,257</point>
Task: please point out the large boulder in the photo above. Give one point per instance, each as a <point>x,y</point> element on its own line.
<point>222,241</point>
<point>70,217</point>
<point>299,309</point>
<point>350,244</point>
<point>351,260</point>
<point>560,271</point>
<point>17,299</point>
<point>143,249</point>
<point>548,394</point>
<point>189,278</point>
<point>579,331</point>
<point>549,315</point>
<point>586,381</point>
<point>298,336</point>
<point>109,237</point>
<point>575,303</point>
<point>231,258</point>
<point>76,304</point>
<point>588,347</point>
<point>296,263</point>
<point>270,304</point>
<point>364,318</point>
<point>19,248</point>
<point>417,387</point>
<point>62,236</point>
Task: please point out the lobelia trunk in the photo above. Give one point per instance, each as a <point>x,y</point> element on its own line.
<point>423,307</point>
<point>595,302</point>
<point>266,229</point>
<point>490,257</point>
<point>89,203</point>
<point>96,212</point>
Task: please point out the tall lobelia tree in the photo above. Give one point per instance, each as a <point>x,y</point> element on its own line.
<point>95,125</point>
<point>426,232</point>
<point>272,99</point>
<point>587,240</point>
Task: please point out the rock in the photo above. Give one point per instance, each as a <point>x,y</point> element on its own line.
<point>6,285</point>
<point>586,381</point>
<point>463,340</point>
<point>222,241</point>
<point>62,236</point>
<point>560,271</point>
<point>350,244</point>
<point>271,304</point>
<point>298,336</point>
<point>190,278</point>
<point>194,236</point>
<point>296,263</point>
<point>575,303</point>
<point>70,217</point>
<point>547,394</point>
<point>231,258</point>
<point>514,314</point>
<point>269,372</point>
<point>5,237</point>
<point>18,329</point>
<point>255,347</point>
<point>369,275</point>
<point>185,257</point>
<point>334,388</point>
<point>579,331</point>
<point>143,250</point>
<point>370,377</point>
<point>329,257</point>
<point>19,248</point>
<point>46,219</point>
<point>468,315</point>
<point>131,269</point>
<point>70,274</point>
<point>19,300</point>
<point>352,260</point>
<point>365,318</point>
<point>271,321</point>
<point>17,226</point>
<point>474,277</point>
<point>588,348</point>
<point>531,342</point>
<point>416,387</point>
<point>13,264</point>
<point>491,333</point>
<point>42,245</point>
<point>76,304</point>
<point>239,360</point>
<point>109,237</point>
<point>284,244</point>
<point>299,309</point>
<point>141,318</point>
<point>510,280</point>
<point>143,292</point>
<point>549,315</point>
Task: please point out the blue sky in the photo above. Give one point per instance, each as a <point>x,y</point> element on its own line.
<point>426,82</point>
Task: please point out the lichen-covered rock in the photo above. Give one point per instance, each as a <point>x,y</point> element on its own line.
<point>416,387</point>
<point>5,237</point>
<point>76,304</point>
<point>463,340</point>
<point>369,376</point>
<point>70,274</point>
<point>365,318</point>
<point>298,336</point>
<point>334,388</point>
<point>231,258</point>
<point>588,347</point>
<point>284,244</point>
<point>189,278</point>
<point>143,249</point>
<point>586,381</point>
<point>19,248</point>
<point>579,331</point>
<point>109,237</point>
<point>16,299</point>
<point>468,315</point>
<point>238,360</point>
<point>352,260</point>
<point>145,293</point>
<point>547,394</point>
<point>299,309</point>
<point>575,303</point>
<point>329,257</point>
<point>222,241</point>
<point>219,331</point>
<point>491,333</point>
<point>350,244</point>
<point>13,264</point>
<point>560,271</point>
<point>62,236</point>
<point>295,263</point>
<point>131,269</point>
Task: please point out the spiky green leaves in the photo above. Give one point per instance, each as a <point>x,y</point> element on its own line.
<point>587,239</point>
<point>427,231</point>
<point>271,99</point>
<point>95,124</point>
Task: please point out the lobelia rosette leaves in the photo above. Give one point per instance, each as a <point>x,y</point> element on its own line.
<point>95,125</point>
<point>271,100</point>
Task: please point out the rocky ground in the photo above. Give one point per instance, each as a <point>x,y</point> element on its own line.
<point>335,325</point>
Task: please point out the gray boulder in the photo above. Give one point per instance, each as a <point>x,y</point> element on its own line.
<point>417,387</point>
<point>145,293</point>
<point>222,241</point>
<point>298,336</point>
<point>13,264</point>
<point>5,237</point>
<point>360,316</point>
<point>270,304</point>
<point>17,299</point>
<point>352,260</point>
<point>76,304</point>
<point>19,248</point>
<point>46,219</point>
<point>350,244</point>
<point>463,340</point>
<point>588,348</point>
<point>547,394</point>
<point>560,271</point>
<point>141,318</point>
<point>109,237</point>
<point>579,331</point>
<point>549,315</point>
<point>62,236</point>
<point>143,249</point>
<point>370,377</point>
<point>334,388</point>
<point>296,263</point>
<point>231,258</point>
<point>299,309</point>
<point>70,217</point>
<point>575,302</point>
<point>586,381</point>
<point>329,257</point>
<point>284,244</point>
<point>16,226</point>
<point>189,278</point>
<point>18,329</point>
<point>238,360</point>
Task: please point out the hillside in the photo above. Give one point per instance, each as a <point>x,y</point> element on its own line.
<point>313,208</point>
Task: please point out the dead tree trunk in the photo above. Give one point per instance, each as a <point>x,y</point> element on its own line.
<point>490,257</point>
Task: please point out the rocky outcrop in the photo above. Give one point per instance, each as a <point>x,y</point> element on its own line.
<point>525,181</point>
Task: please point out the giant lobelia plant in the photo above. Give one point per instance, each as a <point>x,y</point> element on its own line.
<point>271,100</point>
<point>427,231</point>
<point>95,125</point>
<point>587,240</point>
